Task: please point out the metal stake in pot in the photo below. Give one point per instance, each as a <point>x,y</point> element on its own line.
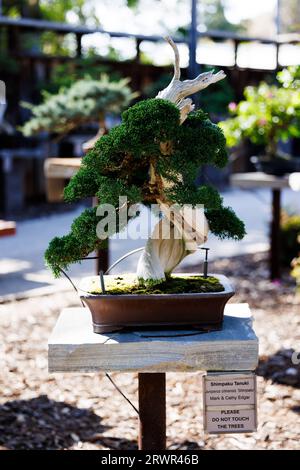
<point>205,264</point>
<point>102,282</point>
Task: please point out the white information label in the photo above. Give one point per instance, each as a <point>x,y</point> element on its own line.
<point>229,402</point>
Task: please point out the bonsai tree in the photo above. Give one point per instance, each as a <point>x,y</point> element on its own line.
<point>269,114</point>
<point>85,101</point>
<point>153,157</point>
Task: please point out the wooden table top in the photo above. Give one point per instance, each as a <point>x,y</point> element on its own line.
<point>63,168</point>
<point>73,347</point>
<point>259,179</point>
<point>7,228</point>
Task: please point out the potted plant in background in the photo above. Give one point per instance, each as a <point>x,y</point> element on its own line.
<point>296,270</point>
<point>85,101</point>
<point>269,114</point>
<point>153,157</point>
<point>289,236</point>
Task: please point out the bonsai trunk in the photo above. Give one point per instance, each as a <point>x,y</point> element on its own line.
<point>174,237</point>
<point>177,234</point>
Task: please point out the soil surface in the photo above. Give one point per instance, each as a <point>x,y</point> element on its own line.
<point>128,284</point>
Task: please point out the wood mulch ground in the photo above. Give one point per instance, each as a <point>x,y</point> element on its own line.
<point>72,411</point>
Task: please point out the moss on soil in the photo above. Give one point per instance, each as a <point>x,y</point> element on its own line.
<point>176,284</point>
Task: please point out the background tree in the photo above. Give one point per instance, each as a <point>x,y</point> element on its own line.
<point>268,114</point>
<point>290,16</point>
<point>85,101</point>
<point>212,16</point>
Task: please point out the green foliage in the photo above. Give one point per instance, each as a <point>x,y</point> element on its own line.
<point>290,77</point>
<point>197,142</point>
<point>213,17</point>
<point>290,16</point>
<point>17,8</point>
<point>289,237</point>
<point>150,135</point>
<point>268,114</point>
<point>8,64</point>
<point>181,192</point>
<point>224,223</point>
<point>132,3</point>
<point>85,101</point>
<point>83,184</point>
<point>66,74</point>
<point>222,220</point>
<point>150,122</point>
<point>110,189</point>
<point>57,10</point>
<point>51,10</point>
<point>216,103</point>
<point>70,248</point>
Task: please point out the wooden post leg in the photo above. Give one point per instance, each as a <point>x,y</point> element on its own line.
<point>275,236</point>
<point>102,263</point>
<point>152,411</point>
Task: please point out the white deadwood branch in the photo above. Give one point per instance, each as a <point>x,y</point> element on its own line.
<point>177,91</point>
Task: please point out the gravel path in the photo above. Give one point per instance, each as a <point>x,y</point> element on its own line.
<point>69,411</point>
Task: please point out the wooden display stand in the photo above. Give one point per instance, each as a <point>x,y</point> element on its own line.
<point>57,171</point>
<point>73,347</point>
<point>7,228</point>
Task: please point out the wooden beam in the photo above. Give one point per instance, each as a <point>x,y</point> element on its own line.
<point>28,23</point>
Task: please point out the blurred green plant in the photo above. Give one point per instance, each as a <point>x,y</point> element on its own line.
<point>51,10</point>
<point>290,244</point>
<point>85,101</point>
<point>49,42</point>
<point>8,64</point>
<point>269,113</point>
<point>212,17</point>
<point>58,10</point>
<point>290,77</point>
<point>64,75</point>
<point>289,237</point>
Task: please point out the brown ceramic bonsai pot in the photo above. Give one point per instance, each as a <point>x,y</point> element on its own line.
<point>115,312</point>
